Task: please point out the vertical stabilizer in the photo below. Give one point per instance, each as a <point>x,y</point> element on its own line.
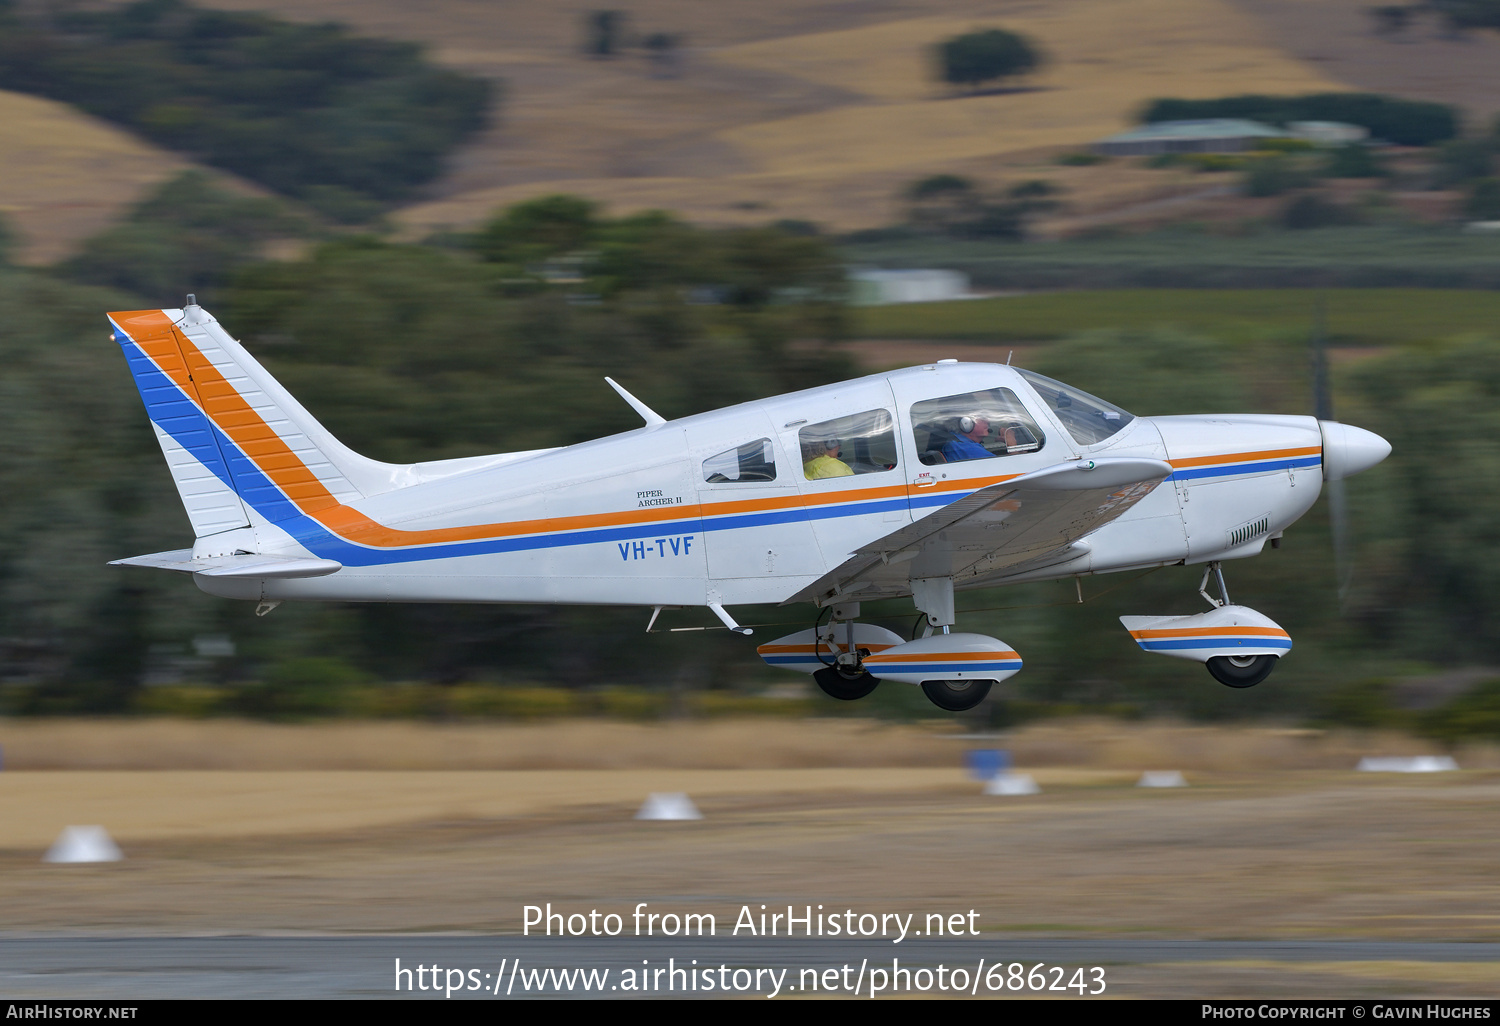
<point>188,440</point>
<point>235,439</point>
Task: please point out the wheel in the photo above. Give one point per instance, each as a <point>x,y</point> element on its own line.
<point>956,695</point>
<point>1241,671</point>
<point>836,685</point>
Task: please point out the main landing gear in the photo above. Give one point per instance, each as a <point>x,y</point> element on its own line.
<point>849,660</point>
<point>844,675</point>
<point>956,695</point>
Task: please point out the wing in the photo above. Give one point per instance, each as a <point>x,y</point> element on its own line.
<point>1027,520</point>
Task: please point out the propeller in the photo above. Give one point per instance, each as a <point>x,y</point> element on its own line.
<point>1346,450</point>
<point>1338,510</point>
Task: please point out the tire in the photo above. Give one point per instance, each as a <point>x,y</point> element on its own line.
<point>845,689</point>
<point>956,695</point>
<point>1241,671</point>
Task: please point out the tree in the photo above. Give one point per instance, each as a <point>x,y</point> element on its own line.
<point>984,56</point>
<point>1391,19</point>
<point>1483,202</point>
<point>604,33</point>
<point>664,52</point>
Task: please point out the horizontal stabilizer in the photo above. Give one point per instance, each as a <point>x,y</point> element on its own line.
<point>248,565</point>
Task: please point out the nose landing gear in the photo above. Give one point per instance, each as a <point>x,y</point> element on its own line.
<point>1239,646</point>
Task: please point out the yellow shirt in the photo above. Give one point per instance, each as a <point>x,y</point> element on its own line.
<point>826,466</point>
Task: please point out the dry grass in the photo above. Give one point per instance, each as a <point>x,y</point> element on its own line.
<point>566,744</point>
<point>1295,855</point>
<point>171,805</point>
<point>720,744</point>
<point>65,175</point>
<point>796,110</point>
<point>789,109</point>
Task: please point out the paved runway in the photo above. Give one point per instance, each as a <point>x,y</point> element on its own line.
<point>139,968</point>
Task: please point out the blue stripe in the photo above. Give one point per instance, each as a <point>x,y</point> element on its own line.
<point>1244,468</point>
<point>878,668</point>
<point>174,413</point>
<point>1161,646</point>
<point>181,418</point>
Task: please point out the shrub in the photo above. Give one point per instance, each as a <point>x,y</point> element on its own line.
<point>1353,161</point>
<point>1483,202</point>
<point>1285,145</point>
<point>1475,714</point>
<point>984,56</point>
<point>1315,212</point>
<point>1272,176</point>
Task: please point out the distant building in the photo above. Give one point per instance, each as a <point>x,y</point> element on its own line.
<point>1328,133</point>
<point>876,288</point>
<point>1213,135</point>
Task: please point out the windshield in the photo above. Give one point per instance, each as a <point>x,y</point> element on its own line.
<point>1088,418</point>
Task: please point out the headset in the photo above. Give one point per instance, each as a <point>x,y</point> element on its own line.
<point>965,425</point>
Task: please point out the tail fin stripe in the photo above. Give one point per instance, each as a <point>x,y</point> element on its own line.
<point>281,486</point>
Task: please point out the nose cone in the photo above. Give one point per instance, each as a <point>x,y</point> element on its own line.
<point>1347,449</point>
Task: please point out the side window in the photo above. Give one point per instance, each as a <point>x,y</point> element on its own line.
<point>753,461</point>
<point>864,443</point>
<point>973,426</point>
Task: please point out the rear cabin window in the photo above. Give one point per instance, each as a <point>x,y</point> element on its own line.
<point>753,461</point>
<point>973,426</point>
<point>864,443</point>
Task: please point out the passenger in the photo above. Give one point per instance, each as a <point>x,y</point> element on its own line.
<point>965,444</point>
<point>824,461</point>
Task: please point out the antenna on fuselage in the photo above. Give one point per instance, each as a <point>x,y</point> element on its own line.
<point>651,417</point>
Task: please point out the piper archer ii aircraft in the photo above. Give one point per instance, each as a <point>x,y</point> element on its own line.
<point>920,482</point>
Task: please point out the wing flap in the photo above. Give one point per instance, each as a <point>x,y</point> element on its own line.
<point>1037,518</point>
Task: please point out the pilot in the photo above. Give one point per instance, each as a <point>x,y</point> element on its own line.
<point>823,460</point>
<point>965,443</point>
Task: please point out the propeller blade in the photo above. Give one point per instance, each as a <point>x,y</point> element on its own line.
<point>1338,523</point>
<point>1322,393</point>
<point>1338,512</point>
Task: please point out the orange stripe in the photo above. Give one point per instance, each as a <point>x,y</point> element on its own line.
<point>925,657</point>
<point>179,359</point>
<point>1246,457</point>
<point>1209,632</point>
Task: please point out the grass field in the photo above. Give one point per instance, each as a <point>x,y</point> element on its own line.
<point>65,175</point>
<point>1353,316</point>
<point>783,109</point>
<point>181,745</point>
<point>1275,838</point>
<point>1387,256</point>
<point>795,110</point>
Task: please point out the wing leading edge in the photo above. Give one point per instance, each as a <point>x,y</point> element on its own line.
<point>1018,524</point>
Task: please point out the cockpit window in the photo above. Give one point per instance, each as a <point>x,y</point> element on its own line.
<point>1088,418</point>
<point>753,461</point>
<point>864,443</point>
<point>973,426</point>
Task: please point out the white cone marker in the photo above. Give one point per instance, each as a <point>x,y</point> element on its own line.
<point>83,844</point>
<point>668,805</point>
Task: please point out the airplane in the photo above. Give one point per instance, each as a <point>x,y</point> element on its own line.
<point>920,482</point>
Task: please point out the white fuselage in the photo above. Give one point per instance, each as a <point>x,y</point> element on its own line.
<point>634,519</point>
